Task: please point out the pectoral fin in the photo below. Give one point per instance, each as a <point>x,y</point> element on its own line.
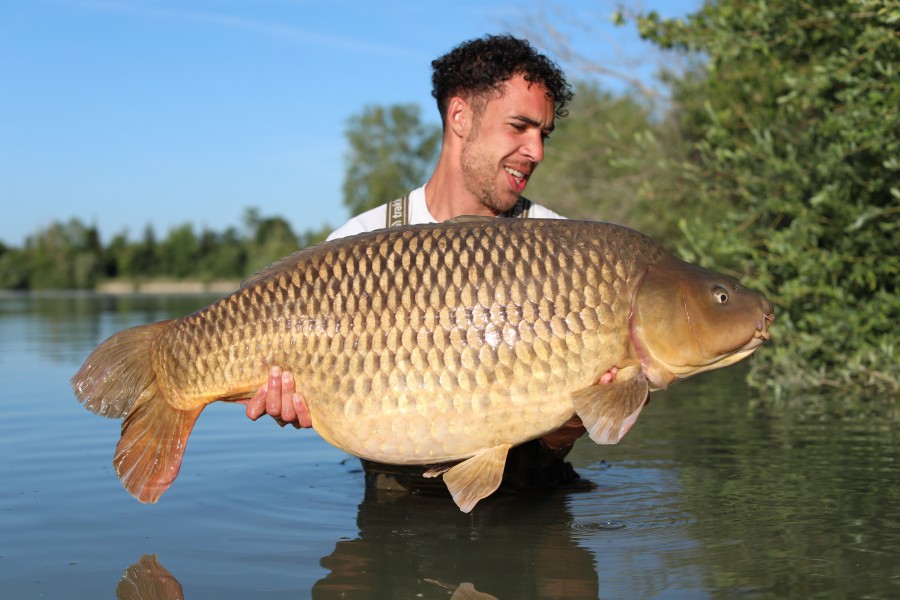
<point>609,410</point>
<point>475,478</point>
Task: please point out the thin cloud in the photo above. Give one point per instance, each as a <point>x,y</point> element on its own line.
<point>264,28</point>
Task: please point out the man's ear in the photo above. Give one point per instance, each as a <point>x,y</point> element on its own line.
<point>459,116</point>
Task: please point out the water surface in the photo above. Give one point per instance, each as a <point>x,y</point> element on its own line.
<point>713,494</point>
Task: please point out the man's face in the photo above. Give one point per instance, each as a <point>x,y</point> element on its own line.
<point>506,143</point>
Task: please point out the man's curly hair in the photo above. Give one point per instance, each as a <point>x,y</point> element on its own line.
<point>478,67</point>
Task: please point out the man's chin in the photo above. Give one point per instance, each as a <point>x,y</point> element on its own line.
<point>509,198</point>
<point>500,205</point>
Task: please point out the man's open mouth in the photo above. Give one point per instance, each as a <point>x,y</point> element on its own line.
<point>519,178</point>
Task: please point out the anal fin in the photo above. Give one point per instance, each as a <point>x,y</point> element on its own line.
<point>609,410</point>
<point>476,477</point>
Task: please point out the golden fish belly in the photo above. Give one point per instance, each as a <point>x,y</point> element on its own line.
<point>423,344</point>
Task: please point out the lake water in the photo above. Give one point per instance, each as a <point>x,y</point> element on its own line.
<point>711,495</point>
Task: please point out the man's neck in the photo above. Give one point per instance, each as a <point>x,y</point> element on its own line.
<point>447,196</point>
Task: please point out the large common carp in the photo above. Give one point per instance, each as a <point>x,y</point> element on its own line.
<point>441,345</point>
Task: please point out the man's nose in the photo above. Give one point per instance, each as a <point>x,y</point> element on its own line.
<point>533,149</point>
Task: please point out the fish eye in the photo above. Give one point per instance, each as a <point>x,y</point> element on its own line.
<point>720,294</point>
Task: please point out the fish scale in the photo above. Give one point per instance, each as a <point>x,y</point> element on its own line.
<point>453,329</point>
<point>425,344</point>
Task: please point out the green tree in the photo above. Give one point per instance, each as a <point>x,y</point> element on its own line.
<point>14,271</point>
<point>391,152</point>
<point>311,237</point>
<point>601,159</point>
<point>116,253</point>
<point>793,137</point>
<point>272,238</point>
<point>222,256</point>
<point>180,252</point>
<point>64,256</point>
<point>142,260</point>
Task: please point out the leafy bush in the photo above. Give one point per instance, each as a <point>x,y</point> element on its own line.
<point>794,142</point>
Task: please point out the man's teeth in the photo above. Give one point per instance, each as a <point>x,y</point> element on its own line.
<point>519,175</point>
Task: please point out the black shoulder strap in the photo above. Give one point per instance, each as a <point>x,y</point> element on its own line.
<point>397,212</point>
<point>520,210</point>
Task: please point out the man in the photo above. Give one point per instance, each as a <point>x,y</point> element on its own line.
<point>498,99</point>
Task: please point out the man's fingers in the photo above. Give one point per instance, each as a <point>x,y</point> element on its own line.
<point>279,399</point>
<point>273,395</point>
<point>609,376</point>
<point>303,417</point>
<point>288,412</point>
<point>256,406</point>
<point>293,407</point>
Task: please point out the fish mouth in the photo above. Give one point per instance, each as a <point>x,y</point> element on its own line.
<point>760,335</point>
<point>762,328</point>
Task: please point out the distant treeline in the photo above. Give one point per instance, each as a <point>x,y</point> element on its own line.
<point>71,256</point>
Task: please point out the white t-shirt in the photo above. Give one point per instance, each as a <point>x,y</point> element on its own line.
<point>417,211</point>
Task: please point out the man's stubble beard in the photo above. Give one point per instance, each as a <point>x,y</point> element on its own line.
<point>480,176</point>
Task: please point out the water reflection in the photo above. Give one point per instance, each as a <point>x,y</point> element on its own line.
<point>65,326</point>
<point>801,504</point>
<point>517,546</point>
<point>789,503</point>
<point>148,580</point>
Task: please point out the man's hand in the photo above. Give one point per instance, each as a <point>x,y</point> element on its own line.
<point>278,399</point>
<point>565,436</point>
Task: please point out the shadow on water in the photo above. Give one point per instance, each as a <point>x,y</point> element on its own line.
<point>519,546</point>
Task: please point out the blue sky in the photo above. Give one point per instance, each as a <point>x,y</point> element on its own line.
<point>129,112</point>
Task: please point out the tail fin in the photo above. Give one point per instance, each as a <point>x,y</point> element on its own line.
<point>117,380</point>
<point>149,453</point>
<point>118,371</point>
